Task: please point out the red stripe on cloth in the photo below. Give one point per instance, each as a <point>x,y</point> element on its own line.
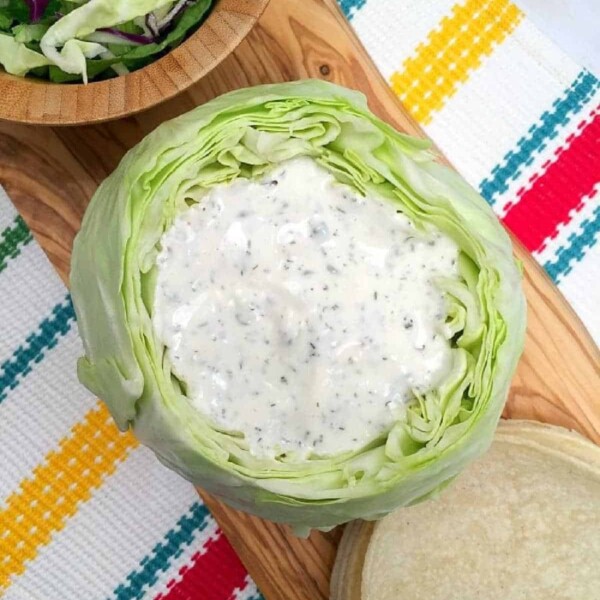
<point>563,185</point>
<point>213,574</point>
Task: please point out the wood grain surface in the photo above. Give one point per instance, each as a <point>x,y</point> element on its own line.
<point>35,101</point>
<point>51,173</point>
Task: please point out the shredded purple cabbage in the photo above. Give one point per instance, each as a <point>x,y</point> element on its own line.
<point>134,38</point>
<point>36,9</point>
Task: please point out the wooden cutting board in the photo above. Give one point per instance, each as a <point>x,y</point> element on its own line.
<point>51,173</point>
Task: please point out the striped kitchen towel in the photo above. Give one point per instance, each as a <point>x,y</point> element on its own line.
<point>87,514</point>
<point>515,116</point>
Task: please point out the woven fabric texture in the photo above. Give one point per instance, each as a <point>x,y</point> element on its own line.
<point>88,514</point>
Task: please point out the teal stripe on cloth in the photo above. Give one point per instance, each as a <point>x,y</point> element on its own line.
<point>563,109</point>
<point>161,556</point>
<point>350,7</point>
<point>32,351</point>
<point>575,251</point>
<point>12,239</point>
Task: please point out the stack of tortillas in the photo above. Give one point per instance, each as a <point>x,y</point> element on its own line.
<point>521,523</point>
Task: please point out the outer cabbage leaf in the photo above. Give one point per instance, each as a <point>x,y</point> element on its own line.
<point>243,134</point>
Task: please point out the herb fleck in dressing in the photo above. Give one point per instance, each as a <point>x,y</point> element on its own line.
<point>300,313</point>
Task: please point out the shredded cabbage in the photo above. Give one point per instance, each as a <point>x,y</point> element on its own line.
<point>71,41</point>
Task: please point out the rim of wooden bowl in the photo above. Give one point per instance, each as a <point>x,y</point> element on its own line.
<point>38,102</point>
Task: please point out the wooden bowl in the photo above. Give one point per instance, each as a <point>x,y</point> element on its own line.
<point>39,102</point>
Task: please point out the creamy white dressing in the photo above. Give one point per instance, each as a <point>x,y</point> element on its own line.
<point>299,313</point>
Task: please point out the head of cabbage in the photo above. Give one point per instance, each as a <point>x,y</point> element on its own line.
<point>243,134</point>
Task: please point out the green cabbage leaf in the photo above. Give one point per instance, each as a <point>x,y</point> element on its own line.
<point>17,58</point>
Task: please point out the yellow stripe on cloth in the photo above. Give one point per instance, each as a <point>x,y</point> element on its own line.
<point>67,477</point>
<point>454,49</point>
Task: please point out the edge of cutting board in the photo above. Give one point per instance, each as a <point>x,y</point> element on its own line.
<point>51,173</point>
